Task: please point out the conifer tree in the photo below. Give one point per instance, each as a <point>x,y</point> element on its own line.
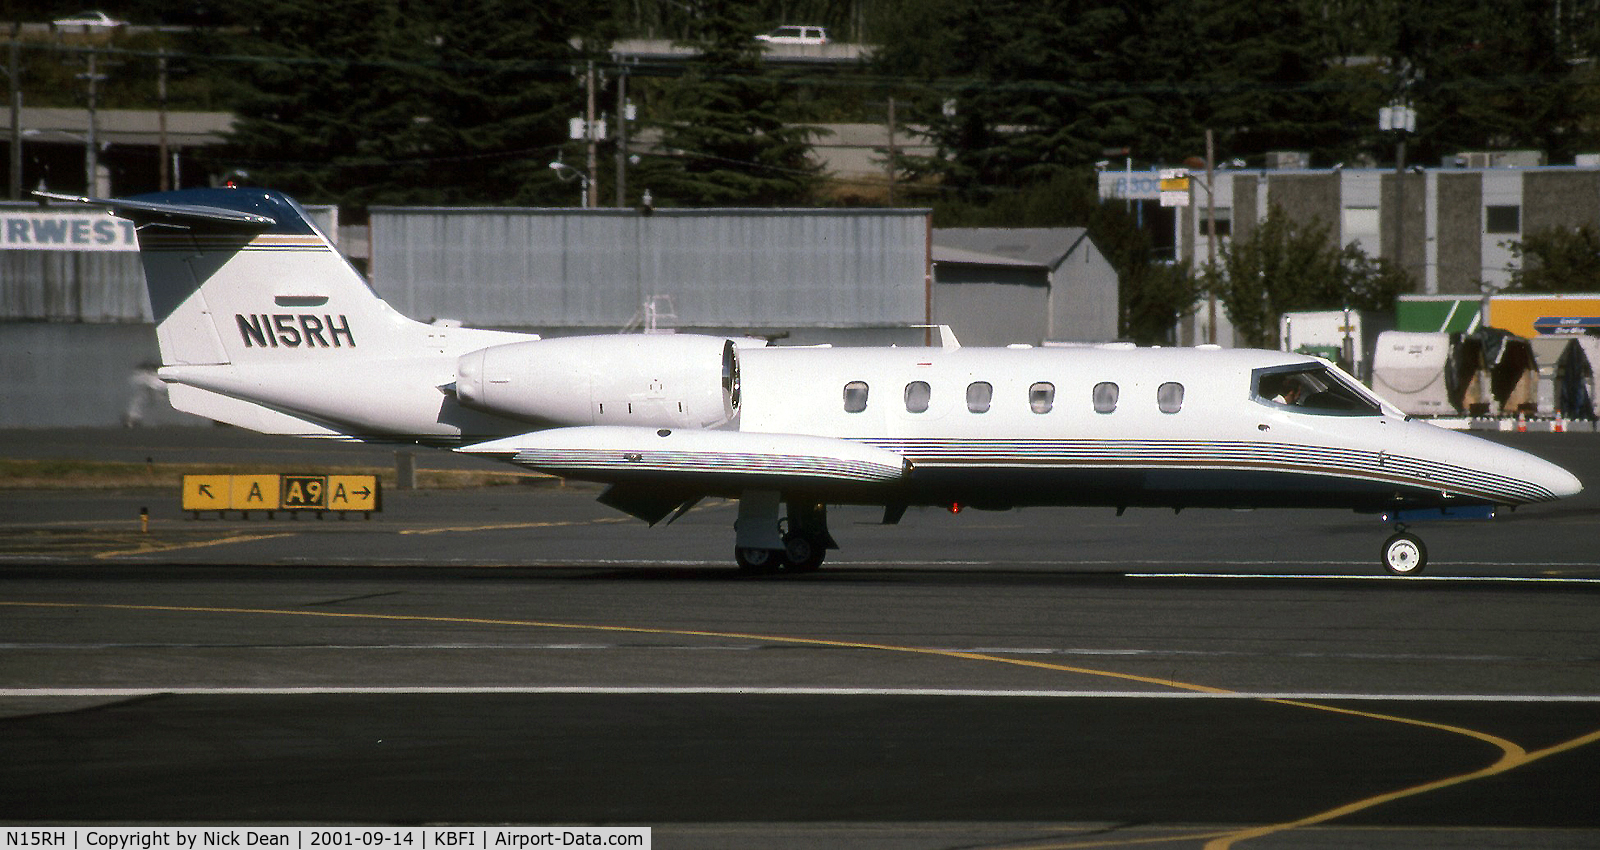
<point>732,137</point>
<point>377,101</point>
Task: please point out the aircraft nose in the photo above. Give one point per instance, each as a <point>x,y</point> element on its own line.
<point>1559,481</point>
<point>1507,475</point>
<point>1545,475</point>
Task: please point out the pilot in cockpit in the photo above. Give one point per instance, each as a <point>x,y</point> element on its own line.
<point>1282,389</point>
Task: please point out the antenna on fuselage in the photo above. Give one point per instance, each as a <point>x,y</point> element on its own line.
<point>947,337</point>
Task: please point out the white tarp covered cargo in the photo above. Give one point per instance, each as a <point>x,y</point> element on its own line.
<point>1409,369</point>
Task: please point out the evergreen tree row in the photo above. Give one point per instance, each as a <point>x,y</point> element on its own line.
<point>374,101</point>
<point>1017,89</point>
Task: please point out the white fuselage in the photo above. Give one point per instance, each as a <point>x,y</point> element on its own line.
<point>1212,444</point>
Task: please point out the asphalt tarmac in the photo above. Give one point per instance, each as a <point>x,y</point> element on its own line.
<point>1038,678</point>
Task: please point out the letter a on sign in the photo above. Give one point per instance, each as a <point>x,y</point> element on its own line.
<point>354,493</point>
<point>255,492</point>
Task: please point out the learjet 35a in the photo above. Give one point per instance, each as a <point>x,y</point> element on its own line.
<point>262,324</point>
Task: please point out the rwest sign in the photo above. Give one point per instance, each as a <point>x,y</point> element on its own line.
<point>65,231</point>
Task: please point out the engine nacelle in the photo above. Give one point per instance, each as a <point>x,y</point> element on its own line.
<point>677,380</point>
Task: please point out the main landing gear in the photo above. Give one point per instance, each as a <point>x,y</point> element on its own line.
<point>766,544</point>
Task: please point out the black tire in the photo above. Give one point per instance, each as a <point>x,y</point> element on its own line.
<point>759,561</point>
<point>803,552</point>
<point>1404,554</point>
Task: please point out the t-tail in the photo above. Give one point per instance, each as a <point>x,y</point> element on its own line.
<point>261,323</point>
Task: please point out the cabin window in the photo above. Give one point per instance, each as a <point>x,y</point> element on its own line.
<point>917,394</point>
<point>855,396</point>
<point>1105,397</point>
<point>1312,388</point>
<point>1042,397</point>
<point>979,395</point>
<point>1169,397</point>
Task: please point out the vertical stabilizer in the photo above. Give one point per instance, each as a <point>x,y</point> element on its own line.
<point>242,276</point>
<point>262,324</point>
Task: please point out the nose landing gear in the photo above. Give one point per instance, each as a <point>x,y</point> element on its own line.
<point>1404,554</point>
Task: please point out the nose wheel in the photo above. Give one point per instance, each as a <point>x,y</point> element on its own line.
<point>1404,554</point>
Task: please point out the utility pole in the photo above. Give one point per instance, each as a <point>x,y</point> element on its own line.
<point>1211,236</point>
<point>1400,119</point>
<point>14,74</point>
<point>622,138</point>
<point>1400,203</point>
<point>894,154</point>
<point>161,96</point>
<point>591,197</point>
<point>91,147</point>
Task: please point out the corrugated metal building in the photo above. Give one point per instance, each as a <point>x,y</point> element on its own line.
<point>997,286</point>
<point>72,286</point>
<point>74,317</point>
<point>762,271</point>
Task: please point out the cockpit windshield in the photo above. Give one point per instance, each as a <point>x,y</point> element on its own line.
<point>1311,388</point>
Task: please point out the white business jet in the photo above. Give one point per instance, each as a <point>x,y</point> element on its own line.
<point>262,324</point>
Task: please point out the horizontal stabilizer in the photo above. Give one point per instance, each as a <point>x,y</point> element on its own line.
<point>698,459</point>
<point>160,212</point>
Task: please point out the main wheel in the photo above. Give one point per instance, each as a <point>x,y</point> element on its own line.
<point>803,552</point>
<point>753,560</point>
<point>1404,554</point>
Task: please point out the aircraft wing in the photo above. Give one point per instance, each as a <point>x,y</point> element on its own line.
<point>654,471</point>
<point>690,456</point>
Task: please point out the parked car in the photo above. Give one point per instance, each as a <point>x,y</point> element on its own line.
<point>795,35</point>
<point>89,19</point>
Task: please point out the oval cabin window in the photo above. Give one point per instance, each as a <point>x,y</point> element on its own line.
<point>855,396</point>
<point>1042,397</point>
<point>979,395</point>
<point>1169,397</point>
<point>1105,397</point>
<point>917,394</point>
